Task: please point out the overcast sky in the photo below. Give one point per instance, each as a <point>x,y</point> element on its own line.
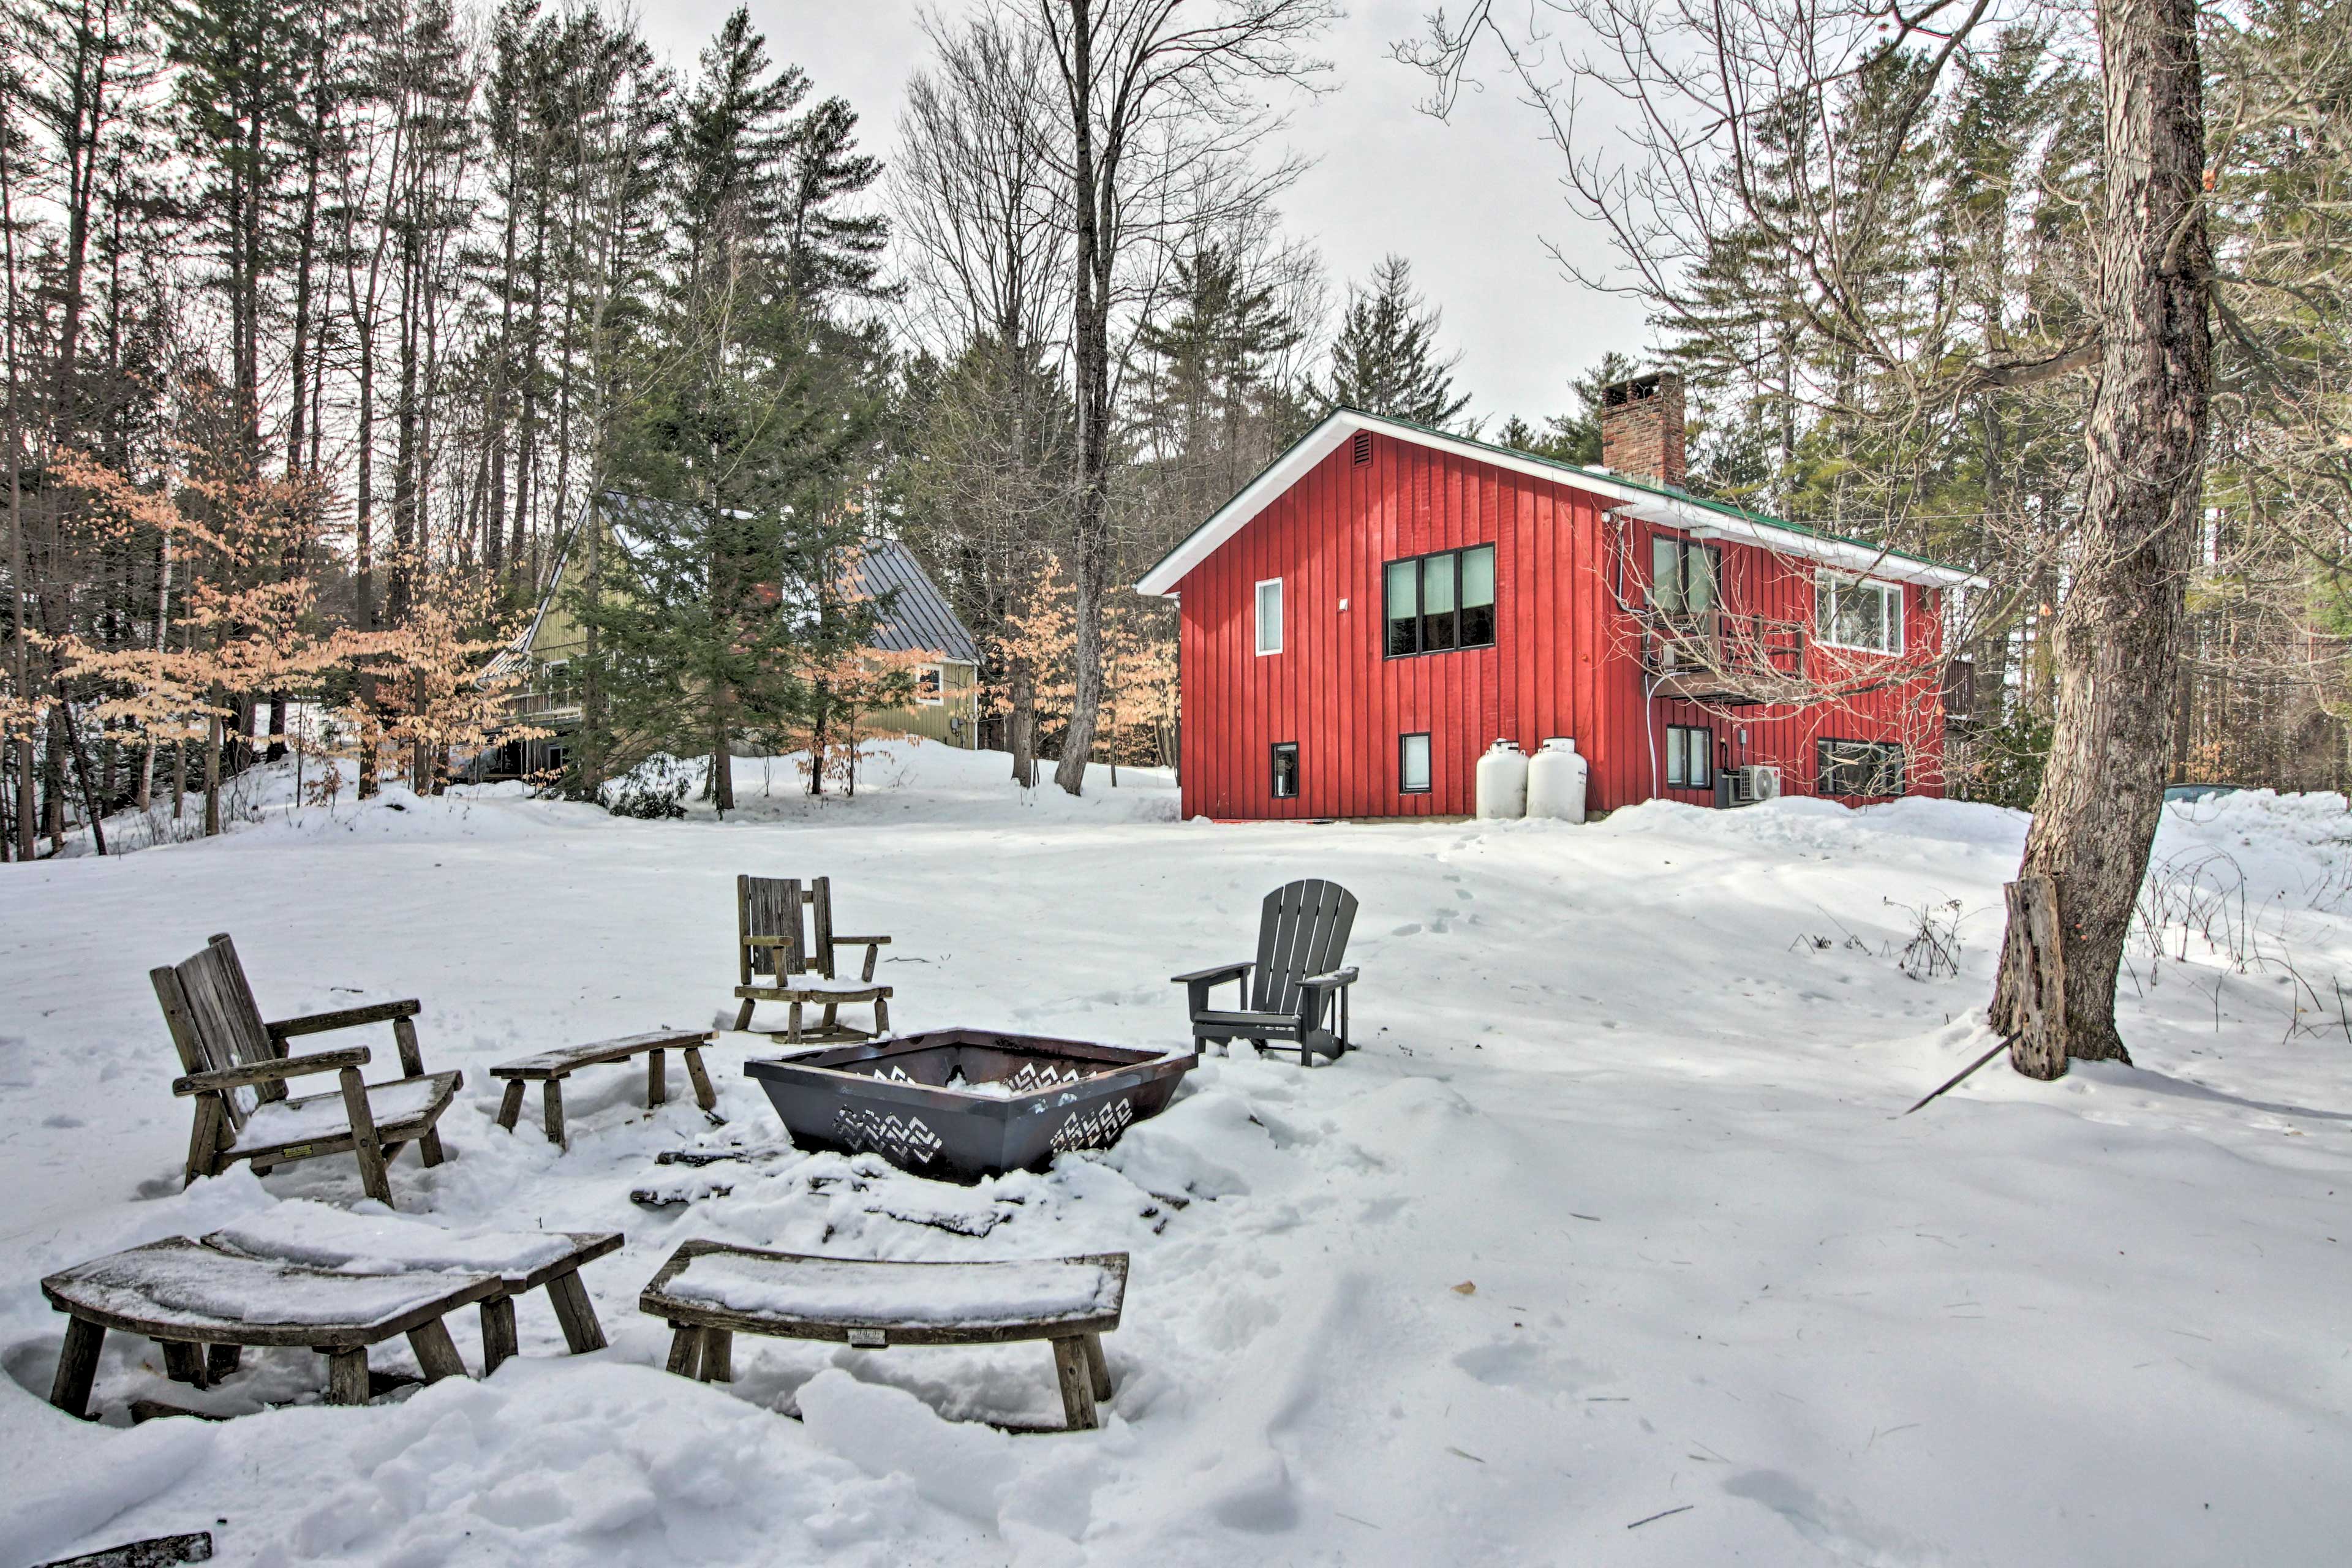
<point>1469,201</point>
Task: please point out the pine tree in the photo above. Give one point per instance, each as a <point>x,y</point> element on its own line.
<point>1572,438</point>
<point>1385,360</point>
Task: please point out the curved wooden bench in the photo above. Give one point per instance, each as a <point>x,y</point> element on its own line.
<point>203,1306</point>
<point>524,1261</point>
<point>710,1291</point>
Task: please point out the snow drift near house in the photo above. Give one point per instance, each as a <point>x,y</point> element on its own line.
<point>1635,1084</point>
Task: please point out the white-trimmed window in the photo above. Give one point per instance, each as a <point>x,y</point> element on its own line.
<point>1857,613</point>
<point>1269,615</point>
<point>930,683</point>
<point>1690,757</point>
<point>1412,763</point>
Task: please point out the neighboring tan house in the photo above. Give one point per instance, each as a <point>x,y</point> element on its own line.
<point>1384,601</point>
<point>946,707</point>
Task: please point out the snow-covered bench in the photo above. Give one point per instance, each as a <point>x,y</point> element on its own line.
<point>709,1291</point>
<point>305,1274</point>
<point>204,1305</point>
<point>315,1235</point>
<point>550,1068</point>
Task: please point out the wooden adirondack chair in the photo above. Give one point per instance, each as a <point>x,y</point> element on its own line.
<point>1290,994</point>
<point>781,959</point>
<point>238,1070</point>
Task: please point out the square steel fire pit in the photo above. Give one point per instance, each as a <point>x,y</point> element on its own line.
<point>968,1103</point>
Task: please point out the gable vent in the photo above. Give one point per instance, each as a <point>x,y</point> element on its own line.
<point>1363,446</point>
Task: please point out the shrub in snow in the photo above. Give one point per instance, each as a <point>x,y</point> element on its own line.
<point>656,789</point>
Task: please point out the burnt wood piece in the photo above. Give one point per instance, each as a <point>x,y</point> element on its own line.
<point>779,957</point>
<point>232,1063</point>
<point>156,1551</point>
<point>702,1332</point>
<point>550,1068</point>
<point>130,1292</point>
<point>1296,990</point>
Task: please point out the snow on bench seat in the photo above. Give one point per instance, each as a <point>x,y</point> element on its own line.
<point>179,1288</point>
<point>319,1117</point>
<point>316,1235</point>
<point>963,1294</point>
<point>565,1059</point>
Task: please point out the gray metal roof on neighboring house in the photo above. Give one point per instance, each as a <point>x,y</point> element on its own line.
<point>919,619</point>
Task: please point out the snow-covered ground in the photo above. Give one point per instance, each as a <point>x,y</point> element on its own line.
<point>1610,1245</point>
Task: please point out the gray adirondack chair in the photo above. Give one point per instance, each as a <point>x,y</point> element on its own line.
<point>1295,992</point>
<point>236,1069</point>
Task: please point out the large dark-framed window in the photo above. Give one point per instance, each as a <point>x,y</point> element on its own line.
<point>1690,757</point>
<point>1412,763</point>
<point>1435,604</point>
<point>1686,576</point>
<point>1857,767</point>
<point>1286,770</point>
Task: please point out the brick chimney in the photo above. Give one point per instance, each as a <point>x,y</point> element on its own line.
<point>1642,427</point>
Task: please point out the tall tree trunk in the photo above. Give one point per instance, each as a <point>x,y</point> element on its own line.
<point>1090,350</point>
<point>1020,730</point>
<point>28,844</point>
<point>211,773</point>
<point>2119,632</point>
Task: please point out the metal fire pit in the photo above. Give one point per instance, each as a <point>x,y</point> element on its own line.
<point>1017,1100</point>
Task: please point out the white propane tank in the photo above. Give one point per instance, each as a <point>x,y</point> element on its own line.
<point>1503,782</point>
<point>1556,782</point>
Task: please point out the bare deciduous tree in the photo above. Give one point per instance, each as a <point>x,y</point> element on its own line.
<point>1160,109</point>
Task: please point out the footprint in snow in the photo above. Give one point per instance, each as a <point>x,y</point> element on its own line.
<point>1410,930</point>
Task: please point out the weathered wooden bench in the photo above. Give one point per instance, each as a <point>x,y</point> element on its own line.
<point>236,1068</point>
<point>550,1068</point>
<point>708,1292</point>
<point>203,1306</point>
<point>312,1236</point>
<point>779,957</point>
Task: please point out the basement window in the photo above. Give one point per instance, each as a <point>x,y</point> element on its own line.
<point>1269,615</point>
<point>1857,613</point>
<point>1690,757</point>
<point>1286,770</point>
<point>1412,764</point>
<point>1440,603</point>
<point>1858,767</point>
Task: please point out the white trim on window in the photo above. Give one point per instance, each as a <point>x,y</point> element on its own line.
<point>1827,588</point>
<point>1266,621</point>
<point>931,678</point>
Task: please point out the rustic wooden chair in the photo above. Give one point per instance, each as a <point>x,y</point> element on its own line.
<point>782,957</point>
<point>237,1070</point>
<point>1295,992</point>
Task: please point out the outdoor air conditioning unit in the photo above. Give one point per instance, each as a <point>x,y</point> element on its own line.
<point>1753,782</point>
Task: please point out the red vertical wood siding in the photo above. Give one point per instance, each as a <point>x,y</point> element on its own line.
<point>1566,660</point>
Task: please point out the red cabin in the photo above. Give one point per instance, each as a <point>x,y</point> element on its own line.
<point>1385,601</point>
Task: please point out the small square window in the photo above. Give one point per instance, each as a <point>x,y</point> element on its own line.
<point>931,682</point>
<point>1269,615</point>
<point>1412,764</point>
<point>1285,771</point>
